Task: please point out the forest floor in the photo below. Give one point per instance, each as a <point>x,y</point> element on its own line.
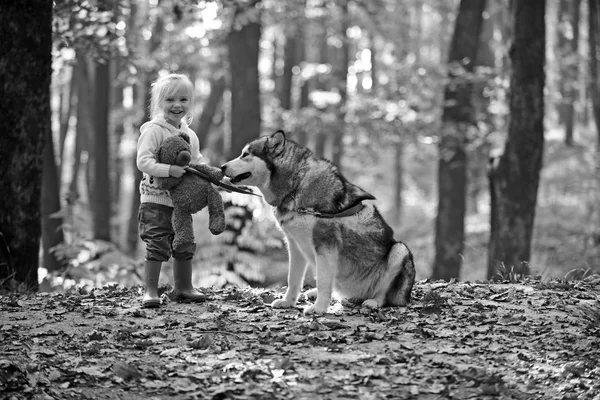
<point>530,340</point>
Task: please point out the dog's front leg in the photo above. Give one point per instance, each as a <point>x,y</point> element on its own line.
<point>296,271</point>
<point>326,269</point>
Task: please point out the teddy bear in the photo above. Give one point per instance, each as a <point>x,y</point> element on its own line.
<point>190,193</point>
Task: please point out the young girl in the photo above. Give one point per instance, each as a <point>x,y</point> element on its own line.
<point>171,107</point>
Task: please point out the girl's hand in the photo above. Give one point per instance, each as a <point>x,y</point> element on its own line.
<point>176,171</point>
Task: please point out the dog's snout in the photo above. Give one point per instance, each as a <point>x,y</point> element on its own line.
<point>223,167</point>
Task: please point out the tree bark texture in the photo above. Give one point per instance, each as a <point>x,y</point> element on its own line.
<point>102,199</point>
<point>25,74</point>
<point>243,45</point>
<point>452,164</point>
<point>515,175</point>
<point>341,78</point>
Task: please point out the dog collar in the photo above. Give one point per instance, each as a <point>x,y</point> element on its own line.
<point>346,213</point>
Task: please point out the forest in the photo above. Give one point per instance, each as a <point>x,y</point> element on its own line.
<point>473,123</point>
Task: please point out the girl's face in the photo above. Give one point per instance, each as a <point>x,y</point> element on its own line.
<point>175,106</point>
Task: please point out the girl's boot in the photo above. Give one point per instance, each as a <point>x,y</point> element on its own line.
<point>182,275</point>
<point>152,273</point>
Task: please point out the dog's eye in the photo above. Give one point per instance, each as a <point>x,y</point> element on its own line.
<point>245,154</point>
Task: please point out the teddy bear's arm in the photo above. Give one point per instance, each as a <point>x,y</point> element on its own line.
<point>168,183</point>
<point>213,172</point>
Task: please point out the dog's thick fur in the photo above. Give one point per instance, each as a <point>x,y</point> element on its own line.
<point>354,256</point>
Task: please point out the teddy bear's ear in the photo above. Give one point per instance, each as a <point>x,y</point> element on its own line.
<point>185,137</point>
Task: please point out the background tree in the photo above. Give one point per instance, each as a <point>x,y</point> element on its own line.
<point>515,175</point>
<point>243,45</point>
<point>594,65</point>
<point>340,74</point>
<point>457,120</point>
<point>101,139</point>
<point>568,79</point>
<point>25,68</point>
<point>52,233</point>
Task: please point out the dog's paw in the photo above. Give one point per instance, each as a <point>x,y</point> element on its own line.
<point>311,294</point>
<point>370,303</point>
<point>313,309</point>
<point>282,303</point>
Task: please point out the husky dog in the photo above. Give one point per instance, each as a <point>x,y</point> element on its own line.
<point>326,225</point>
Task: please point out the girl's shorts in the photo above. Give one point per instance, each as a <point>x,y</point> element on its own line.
<point>156,231</point>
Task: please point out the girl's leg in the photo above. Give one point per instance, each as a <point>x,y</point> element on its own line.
<point>152,273</point>
<point>182,275</point>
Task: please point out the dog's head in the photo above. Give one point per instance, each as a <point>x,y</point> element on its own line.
<point>256,163</point>
<point>278,167</point>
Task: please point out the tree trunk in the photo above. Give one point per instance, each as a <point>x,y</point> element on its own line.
<point>101,199</point>
<point>373,46</point>
<point>290,51</point>
<point>142,98</point>
<point>514,176</point>
<point>398,178</point>
<point>25,71</point>
<point>84,127</point>
<point>452,165</point>
<point>217,88</point>
<point>52,233</point>
<point>480,147</point>
<point>594,41</point>
<point>320,143</point>
<point>341,78</point>
<point>66,110</point>
<point>568,40</point>
<point>243,46</point>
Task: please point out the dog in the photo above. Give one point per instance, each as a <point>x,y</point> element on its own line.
<point>327,226</point>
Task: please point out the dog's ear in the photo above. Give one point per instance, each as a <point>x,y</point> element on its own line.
<point>276,142</point>
<point>278,137</point>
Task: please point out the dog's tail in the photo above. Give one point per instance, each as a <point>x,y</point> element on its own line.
<point>400,259</point>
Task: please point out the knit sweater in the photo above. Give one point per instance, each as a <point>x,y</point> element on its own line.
<point>152,135</point>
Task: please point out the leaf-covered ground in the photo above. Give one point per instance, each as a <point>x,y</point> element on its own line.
<point>455,341</point>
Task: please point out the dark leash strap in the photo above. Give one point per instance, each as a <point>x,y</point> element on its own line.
<point>345,213</point>
<point>224,185</point>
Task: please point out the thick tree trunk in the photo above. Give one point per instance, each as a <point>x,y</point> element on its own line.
<point>341,78</point>
<point>243,46</point>
<point>25,74</point>
<point>514,176</point>
<point>102,156</point>
<point>452,164</point>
